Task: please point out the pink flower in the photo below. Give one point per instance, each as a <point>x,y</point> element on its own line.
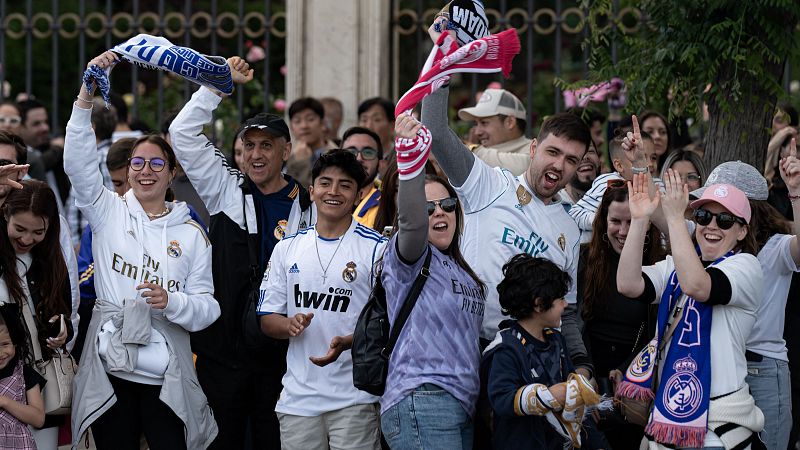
<point>255,54</point>
<point>284,70</point>
<point>279,104</point>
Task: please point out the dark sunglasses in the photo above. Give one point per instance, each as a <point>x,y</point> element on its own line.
<point>448,205</point>
<point>368,153</point>
<point>156,164</point>
<point>725,220</point>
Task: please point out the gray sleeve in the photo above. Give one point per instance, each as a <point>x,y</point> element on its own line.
<point>412,219</point>
<point>571,325</point>
<point>455,159</point>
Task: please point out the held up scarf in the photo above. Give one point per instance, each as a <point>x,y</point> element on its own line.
<point>494,53</point>
<point>680,415</point>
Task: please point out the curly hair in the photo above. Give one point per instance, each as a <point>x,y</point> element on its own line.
<point>526,279</point>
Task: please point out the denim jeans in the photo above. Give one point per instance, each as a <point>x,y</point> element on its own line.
<point>771,390</point>
<point>427,419</point>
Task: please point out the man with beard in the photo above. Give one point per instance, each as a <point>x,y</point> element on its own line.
<point>366,146</point>
<point>506,214</point>
<point>36,134</point>
<point>587,171</point>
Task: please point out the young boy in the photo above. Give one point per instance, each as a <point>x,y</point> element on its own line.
<point>527,368</point>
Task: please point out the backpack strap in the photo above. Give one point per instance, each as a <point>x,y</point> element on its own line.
<point>408,305</point>
<point>253,243</point>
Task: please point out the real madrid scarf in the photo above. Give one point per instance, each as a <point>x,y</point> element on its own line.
<point>680,413</point>
<point>493,53</point>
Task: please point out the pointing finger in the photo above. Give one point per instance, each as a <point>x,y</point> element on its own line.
<point>636,132</point>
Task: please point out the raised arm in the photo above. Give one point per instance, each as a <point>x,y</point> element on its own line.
<point>694,279</point>
<point>630,282</point>
<point>204,164</point>
<point>412,236</point>
<point>790,172</point>
<point>453,156</point>
<point>80,152</point>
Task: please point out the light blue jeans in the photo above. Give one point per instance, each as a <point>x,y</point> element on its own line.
<point>427,419</point>
<point>771,389</point>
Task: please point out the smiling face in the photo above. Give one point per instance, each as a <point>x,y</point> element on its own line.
<point>335,194</point>
<point>554,162</point>
<point>7,348</point>
<point>147,184</point>
<point>494,130</point>
<point>25,230</point>
<point>714,241</point>
<point>263,155</point>
<point>587,170</point>
<point>657,129</point>
<point>441,224</point>
<point>618,222</point>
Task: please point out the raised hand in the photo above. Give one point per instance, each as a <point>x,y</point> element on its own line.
<point>790,169</point>
<point>439,26</point>
<point>406,126</point>
<point>642,206</point>
<point>241,72</point>
<point>105,60</point>
<point>676,200</point>
<point>10,174</point>
<point>633,145</point>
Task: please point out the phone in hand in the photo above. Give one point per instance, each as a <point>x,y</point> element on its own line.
<point>54,328</point>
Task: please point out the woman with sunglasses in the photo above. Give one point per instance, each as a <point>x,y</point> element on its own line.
<point>615,329</point>
<point>153,284</point>
<point>433,383</point>
<point>708,292</point>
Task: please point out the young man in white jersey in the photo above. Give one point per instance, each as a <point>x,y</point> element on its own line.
<point>315,286</point>
<point>507,215</point>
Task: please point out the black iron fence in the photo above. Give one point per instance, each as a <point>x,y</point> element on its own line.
<point>45,45</point>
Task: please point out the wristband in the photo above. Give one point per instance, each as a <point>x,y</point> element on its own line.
<point>83,99</point>
<point>640,169</point>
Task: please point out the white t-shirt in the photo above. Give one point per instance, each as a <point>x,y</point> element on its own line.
<point>585,209</point>
<point>731,324</point>
<point>497,227</point>
<point>776,261</point>
<point>293,284</point>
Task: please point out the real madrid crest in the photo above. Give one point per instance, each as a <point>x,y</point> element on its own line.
<point>523,196</point>
<point>280,229</point>
<point>562,241</point>
<point>174,249</point>
<point>349,273</point>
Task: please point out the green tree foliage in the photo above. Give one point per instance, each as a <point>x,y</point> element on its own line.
<point>728,54</point>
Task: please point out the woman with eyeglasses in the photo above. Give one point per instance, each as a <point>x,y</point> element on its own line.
<point>708,292</point>
<point>153,282</point>
<point>615,329</point>
<point>433,383</point>
<point>688,164</point>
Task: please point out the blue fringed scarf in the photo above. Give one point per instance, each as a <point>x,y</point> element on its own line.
<point>99,77</point>
<point>680,415</point>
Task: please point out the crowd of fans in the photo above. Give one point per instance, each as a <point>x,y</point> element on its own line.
<point>210,294</point>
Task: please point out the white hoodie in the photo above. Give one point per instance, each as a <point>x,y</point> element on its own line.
<point>129,248</point>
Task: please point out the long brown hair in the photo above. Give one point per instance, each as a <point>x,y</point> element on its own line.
<point>49,269</point>
<point>599,254</point>
<point>766,221</point>
<point>454,250</point>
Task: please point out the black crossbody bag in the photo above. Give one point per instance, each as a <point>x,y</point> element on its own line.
<point>373,341</point>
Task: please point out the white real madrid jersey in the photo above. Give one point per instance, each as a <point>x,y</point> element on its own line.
<point>502,219</point>
<point>331,278</point>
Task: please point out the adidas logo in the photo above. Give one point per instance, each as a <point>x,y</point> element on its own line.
<point>294,269</point>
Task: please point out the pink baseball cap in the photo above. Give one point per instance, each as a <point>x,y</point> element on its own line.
<point>729,197</point>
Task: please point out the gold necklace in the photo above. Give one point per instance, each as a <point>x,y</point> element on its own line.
<point>158,215</point>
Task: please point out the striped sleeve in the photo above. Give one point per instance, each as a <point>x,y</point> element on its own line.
<point>584,210</point>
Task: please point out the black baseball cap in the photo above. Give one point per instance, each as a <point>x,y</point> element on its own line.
<point>269,123</point>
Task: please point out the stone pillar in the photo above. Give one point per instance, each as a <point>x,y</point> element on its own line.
<point>338,48</point>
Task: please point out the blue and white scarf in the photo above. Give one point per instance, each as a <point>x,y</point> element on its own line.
<point>680,415</point>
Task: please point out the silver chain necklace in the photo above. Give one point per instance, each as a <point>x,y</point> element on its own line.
<point>319,258</point>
